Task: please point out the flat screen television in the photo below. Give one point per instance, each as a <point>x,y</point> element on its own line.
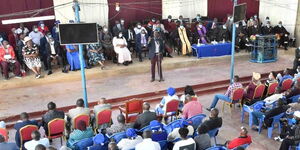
<point>240,12</point>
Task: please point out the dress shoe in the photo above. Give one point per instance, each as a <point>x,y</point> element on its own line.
<point>152,80</point>
<point>161,80</point>
<point>49,72</point>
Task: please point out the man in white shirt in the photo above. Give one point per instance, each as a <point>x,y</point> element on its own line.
<point>36,35</point>
<point>80,109</point>
<point>131,141</point>
<point>36,140</point>
<point>138,29</point>
<point>185,143</point>
<point>147,143</point>
<point>175,134</point>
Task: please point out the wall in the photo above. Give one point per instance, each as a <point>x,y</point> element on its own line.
<point>280,10</point>
<point>297,29</point>
<point>187,8</point>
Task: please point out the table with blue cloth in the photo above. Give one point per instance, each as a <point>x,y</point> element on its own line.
<point>211,50</point>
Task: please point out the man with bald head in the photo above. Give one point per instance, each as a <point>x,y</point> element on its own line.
<point>244,138</point>
<point>102,105</point>
<point>214,121</point>
<point>145,118</point>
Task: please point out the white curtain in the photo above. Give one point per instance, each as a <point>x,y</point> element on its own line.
<point>280,10</point>
<point>90,11</point>
<point>186,8</point>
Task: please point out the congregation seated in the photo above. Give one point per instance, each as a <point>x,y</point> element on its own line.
<point>131,141</point>
<point>202,140</point>
<point>144,118</point>
<point>213,121</point>
<point>22,123</point>
<point>7,145</point>
<point>120,126</point>
<point>244,138</point>
<point>174,135</point>
<point>292,138</point>
<point>185,142</point>
<point>191,108</point>
<point>158,132</point>
<point>80,133</point>
<point>161,107</point>
<point>226,97</point>
<point>52,113</point>
<point>36,140</point>
<point>79,110</point>
<point>147,143</point>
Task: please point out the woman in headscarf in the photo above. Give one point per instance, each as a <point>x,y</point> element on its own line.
<point>161,107</point>
<point>31,56</point>
<point>80,133</point>
<point>131,141</point>
<point>73,57</point>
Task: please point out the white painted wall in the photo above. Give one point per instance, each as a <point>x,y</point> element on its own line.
<point>88,12</point>
<point>187,8</point>
<point>280,10</point>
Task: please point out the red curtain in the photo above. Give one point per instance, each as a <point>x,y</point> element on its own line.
<point>220,8</point>
<point>134,10</point>
<point>13,6</point>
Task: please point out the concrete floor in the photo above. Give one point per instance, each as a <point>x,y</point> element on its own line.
<point>28,94</point>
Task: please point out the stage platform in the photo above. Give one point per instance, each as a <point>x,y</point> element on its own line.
<point>119,83</point>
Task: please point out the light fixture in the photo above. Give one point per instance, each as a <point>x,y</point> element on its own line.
<point>117,6</point>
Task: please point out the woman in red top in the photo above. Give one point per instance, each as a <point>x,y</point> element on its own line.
<point>43,28</point>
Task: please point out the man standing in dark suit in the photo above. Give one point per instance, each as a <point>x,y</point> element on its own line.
<point>156,50</point>
<point>145,118</point>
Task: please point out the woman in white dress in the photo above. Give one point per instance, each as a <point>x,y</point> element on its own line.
<point>120,46</point>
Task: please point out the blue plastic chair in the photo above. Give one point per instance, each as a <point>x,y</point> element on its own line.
<point>84,143</point>
<point>172,125</point>
<point>243,146</point>
<point>213,134</point>
<point>144,129</point>
<point>118,136</point>
<point>276,120</point>
<point>196,120</point>
<point>249,110</point>
<point>217,148</point>
<point>163,144</point>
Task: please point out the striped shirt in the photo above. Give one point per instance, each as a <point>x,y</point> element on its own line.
<point>233,87</point>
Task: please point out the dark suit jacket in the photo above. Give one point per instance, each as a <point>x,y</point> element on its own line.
<point>273,112</point>
<point>50,115</point>
<point>138,38</point>
<point>43,43</point>
<point>151,47</point>
<point>56,47</point>
<point>213,123</point>
<point>19,125</point>
<point>144,119</point>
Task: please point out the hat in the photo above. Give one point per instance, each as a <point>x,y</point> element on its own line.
<point>171,91</point>
<point>297,114</point>
<point>183,123</point>
<point>99,139</point>
<point>26,39</point>
<point>256,76</point>
<point>130,133</point>
<point>155,125</point>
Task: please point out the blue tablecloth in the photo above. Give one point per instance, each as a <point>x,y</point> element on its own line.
<point>210,50</point>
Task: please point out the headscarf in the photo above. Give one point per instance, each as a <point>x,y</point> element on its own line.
<point>130,133</point>
<point>171,91</point>
<point>155,125</point>
<point>99,139</point>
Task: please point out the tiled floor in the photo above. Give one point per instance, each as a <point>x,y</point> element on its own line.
<point>34,98</point>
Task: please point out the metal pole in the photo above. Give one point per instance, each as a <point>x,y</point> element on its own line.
<point>83,80</point>
<point>232,47</point>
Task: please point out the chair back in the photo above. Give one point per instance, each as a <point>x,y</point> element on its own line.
<point>276,119</point>
<point>163,144</point>
<point>84,143</point>
<point>237,94</point>
<point>259,91</point>
<point>213,132</point>
<point>272,88</point>
<point>56,128</point>
<point>119,136</point>
<point>172,125</point>
<point>103,117</point>
<point>144,129</point>
<point>83,117</point>
<point>4,132</point>
<point>134,106</point>
<point>217,148</point>
<point>172,106</point>
<point>190,147</point>
<point>25,132</point>
<point>286,84</point>
<point>196,120</point>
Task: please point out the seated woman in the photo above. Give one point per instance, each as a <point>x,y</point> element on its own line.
<point>188,90</point>
<point>31,56</point>
<point>95,54</point>
<point>250,89</point>
<point>131,141</point>
<point>271,79</point>
<point>120,46</point>
<point>161,107</point>
<point>73,57</point>
<point>80,133</point>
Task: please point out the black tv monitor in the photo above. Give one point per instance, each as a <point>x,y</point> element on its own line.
<point>78,33</point>
<point>240,12</point>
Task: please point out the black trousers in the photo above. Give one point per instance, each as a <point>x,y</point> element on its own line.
<point>286,143</point>
<point>156,60</point>
<point>59,59</point>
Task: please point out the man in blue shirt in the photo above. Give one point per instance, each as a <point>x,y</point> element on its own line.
<point>286,75</point>
<point>7,146</point>
<point>24,122</point>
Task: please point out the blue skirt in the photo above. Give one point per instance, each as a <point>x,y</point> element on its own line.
<point>73,59</point>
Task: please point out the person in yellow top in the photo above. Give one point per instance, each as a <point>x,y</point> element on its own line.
<point>186,47</point>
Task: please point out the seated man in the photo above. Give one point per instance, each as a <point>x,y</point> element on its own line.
<point>241,140</point>
<point>7,146</point>
<point>161,107</point>
<point>24,122</point>
<point>294,137</point>
<point>131,141</point>
<point>191,108</point>
<point>292,94</point>
<point>145,118</point>
<point>226,97</point>
<point>213,121</point>
<point>147,143</point>
<point>202,139</point>
<point>102,105</point>
<point>175,133</point>
<point>117,127</point>
<point>36,140</point>
<point>286,75</point>
<point>186,142</point>
<point>80,109</point>
<point>50,115</point>
<point>158,132</point>
<point>283,35</point>
<point>7,57</point>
